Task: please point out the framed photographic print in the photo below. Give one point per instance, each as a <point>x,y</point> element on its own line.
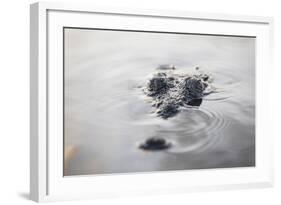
<point>127,102</point>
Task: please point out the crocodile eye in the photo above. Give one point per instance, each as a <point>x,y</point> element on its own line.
<point>157,85</point>
<point>195,87</point>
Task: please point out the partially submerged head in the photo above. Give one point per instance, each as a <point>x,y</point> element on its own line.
<point>171,90</point>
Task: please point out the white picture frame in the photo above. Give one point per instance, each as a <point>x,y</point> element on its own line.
<point>46,178</point>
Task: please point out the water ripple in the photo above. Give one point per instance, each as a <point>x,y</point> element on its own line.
<point>195,130</point>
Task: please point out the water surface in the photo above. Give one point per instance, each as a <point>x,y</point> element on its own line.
<point>107,115</point>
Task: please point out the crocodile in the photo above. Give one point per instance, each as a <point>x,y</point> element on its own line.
<point>171,90</point>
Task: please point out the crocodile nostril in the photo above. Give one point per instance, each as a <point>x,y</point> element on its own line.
<point>155,143</point>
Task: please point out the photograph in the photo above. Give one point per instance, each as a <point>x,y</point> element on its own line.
<point>137,101</point>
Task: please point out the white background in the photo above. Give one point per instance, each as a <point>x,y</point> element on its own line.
<point>14,103</point>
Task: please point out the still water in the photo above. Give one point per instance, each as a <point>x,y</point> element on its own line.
<point>107,116</point>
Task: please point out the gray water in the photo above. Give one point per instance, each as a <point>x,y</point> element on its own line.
<point>107,115</point>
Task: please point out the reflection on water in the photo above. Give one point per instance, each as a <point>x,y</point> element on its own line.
<point>107,116</point>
